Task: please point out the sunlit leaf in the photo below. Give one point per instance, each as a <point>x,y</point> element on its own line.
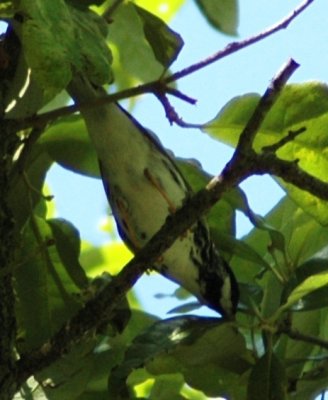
<point>308,286</point>
<point>296,226</point>
<point>164,9</point>
<point>131,51</point>
<point>299,106</point>
<point>165,43</point>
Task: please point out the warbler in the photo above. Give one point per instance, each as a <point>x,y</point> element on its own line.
<point>144,186</point>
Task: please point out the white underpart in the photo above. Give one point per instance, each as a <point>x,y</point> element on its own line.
<point>124,155</point>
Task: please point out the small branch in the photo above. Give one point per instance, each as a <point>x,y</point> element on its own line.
<point>270,96</point>
<point>42,119</point>
<point>288,138</point>
<point>177,93</point>
<point>296,335</point>
<point>236,46</point>
<point>171,114</point>
<point>290,172</point>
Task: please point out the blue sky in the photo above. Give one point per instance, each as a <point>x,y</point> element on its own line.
<point>82,200</point>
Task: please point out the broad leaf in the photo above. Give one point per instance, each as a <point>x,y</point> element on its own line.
<point>222,14</point>
<point>67,242</point>
<point>131,51</point>
<point>309,285</point>
<point>47,294</point>
<point>221,217</point>
<point>165,43</point>
<point>296,227</point>
<point>299,106</point>
<point>162,8</point>
<point>185,344</point>
<point>26,186</point>
<point>57,39</point>
<point>313,300</point>
<point>267,380</point>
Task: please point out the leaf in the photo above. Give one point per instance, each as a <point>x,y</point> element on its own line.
<point>221,217</point>
<point>68,143</point>
<point>308,286</point>
<point>267,380</point>
<point>165,10</point>
<point>316,299</point>
<point>46,294</point>
<point>131,51</point>
<point>57,39</point>
<point>221,14</point>
<point>67,241</point>
<point>296,226</point>
<point>296,351</point>
<point>110,257</point>
<point>299,106</point>
<point>183,344</point>
<point>165,43</point>
<point>25,189</point>
<point>7,9</point>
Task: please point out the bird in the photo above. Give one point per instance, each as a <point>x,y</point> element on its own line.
<point>144,186</point>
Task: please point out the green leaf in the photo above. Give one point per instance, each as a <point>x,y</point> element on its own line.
<point>185,344</point>
<point>299,106</point>
<point>25,189</point>
<point>45,291</point>
<point>131,50</point>
<point>67,241</point>
<point>308,286</point>
<point>296,226</point>
<point>221,217</point>
<point>7,9</point>
<point>316,299</point>
<point>68,143</point>
<point>165,43</point>
<point>267,380</point>
<point>57,39</point>
<point>221,14</point>
<point>165,10</point>
<point>297,352</point>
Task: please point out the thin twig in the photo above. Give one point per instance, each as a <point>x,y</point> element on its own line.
<point>245,143</point>
<point>236,46</point>
<point>286,139</point>
<point>296,335</point>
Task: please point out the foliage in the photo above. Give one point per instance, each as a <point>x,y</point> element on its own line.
<point>272,349</point>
